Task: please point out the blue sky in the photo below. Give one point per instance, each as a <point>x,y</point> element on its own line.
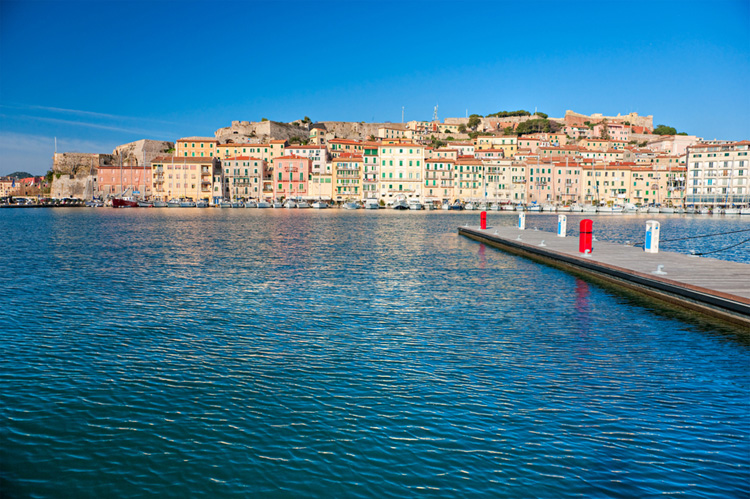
<point>97,74</point>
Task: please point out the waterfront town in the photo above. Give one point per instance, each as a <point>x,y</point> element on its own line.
<point>509,159</point>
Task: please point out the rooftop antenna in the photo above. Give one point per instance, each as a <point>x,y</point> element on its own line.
<point>435,115</point>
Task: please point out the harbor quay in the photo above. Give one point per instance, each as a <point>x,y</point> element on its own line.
<point>713,287</point>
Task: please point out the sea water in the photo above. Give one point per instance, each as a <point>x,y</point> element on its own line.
<point>365,354</point>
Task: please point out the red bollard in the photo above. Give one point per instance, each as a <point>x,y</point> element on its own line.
<point>586,234</point>
<point>483,220</point>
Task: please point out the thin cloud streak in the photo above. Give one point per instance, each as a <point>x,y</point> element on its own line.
<point>80,112</point>
<point>147,133</point>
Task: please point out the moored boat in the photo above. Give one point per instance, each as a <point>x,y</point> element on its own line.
<point>289,203</point>
<point>303,204</point>
<point>400,204</point>
<point>160,204</point>
<point>372,204</point>
<point>320,205</point>
<point>201,204</point>
<point>351,205</point>
<point>124,203</point>
<point>250,204</point>
<point>145,204</point>
<point>263,204</point>
<point>415,205</point>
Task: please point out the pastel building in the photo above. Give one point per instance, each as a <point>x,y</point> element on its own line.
<point>506,143</point>
<point>370,169</point>
<point>114,180</point>
<point>196,147</point>
<point>468,179</point>
<point>291,177</point>
<point>321,186</point>
<point>177,177</point>
<point>241,179</point>
<point>718,174</point>
<point>318,155</point>
<point>438,180</point>
<point>401,169</point>
<point>347,177</point>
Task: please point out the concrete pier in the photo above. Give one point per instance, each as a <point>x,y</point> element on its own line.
<point>715,287</point>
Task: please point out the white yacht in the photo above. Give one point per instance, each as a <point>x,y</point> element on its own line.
<point>319,205</point>
<point>277,204</point>
<point>290,204</point>
<point>415,205</point>
<point>250,204</point>
<point>549,207</point>
<point>263,204</point>
<point>400,204</point>
<point>303,204</point>
<point>351,205</point>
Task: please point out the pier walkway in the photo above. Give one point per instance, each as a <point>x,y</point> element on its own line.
<point>714,287</point>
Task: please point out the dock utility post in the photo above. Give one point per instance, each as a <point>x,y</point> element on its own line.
<point>652,237</point>
<point>562,225</point>
<point>586,235</point>
<point>483,220</point>
<point>522,221</point>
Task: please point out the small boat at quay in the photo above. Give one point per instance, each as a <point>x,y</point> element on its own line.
<point>565,208</point>
<point>160,204</point>
<point>236,204</point>
<point>415,205</point>
<point>446,206</point>
<point>495,207</point>
<point>548,207</point>
<point>289,203</point>
<point>372,204</point>
<point>457,206</point>
<point>250,204</point>
<point>201,204</point>
<point>225,204</point>
<point>145,204</point>
<point>533,207</point>
<point>124,203</point>
<point>319,205</point>
<point>303,204</point>
<point>263,204</point>
<point>351,205</point>
<point>173,203</point>
<point>187,203</point>
<point>509,207</point>
<point>400,204</point>
<point>277,204</point>
<point>731,211</point>
<point>469,206</point>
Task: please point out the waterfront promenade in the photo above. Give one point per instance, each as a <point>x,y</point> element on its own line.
<point>715,287</point>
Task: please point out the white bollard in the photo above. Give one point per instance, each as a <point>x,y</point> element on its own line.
<point>562,225</point>
<point>651,245</point>
<point>522,221</point>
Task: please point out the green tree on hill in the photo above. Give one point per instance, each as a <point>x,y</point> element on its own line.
<point>665,130</point>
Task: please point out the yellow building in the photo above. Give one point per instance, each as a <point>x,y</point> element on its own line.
<point>507,143</point>
<point>321,186</point>
<point>182,177</point>
<point>196,147</point>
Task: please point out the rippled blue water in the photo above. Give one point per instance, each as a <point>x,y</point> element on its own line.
<point>302,353</point>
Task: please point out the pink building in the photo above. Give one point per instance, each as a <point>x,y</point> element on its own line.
<point>291,177</point>
<point>114,180</point>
